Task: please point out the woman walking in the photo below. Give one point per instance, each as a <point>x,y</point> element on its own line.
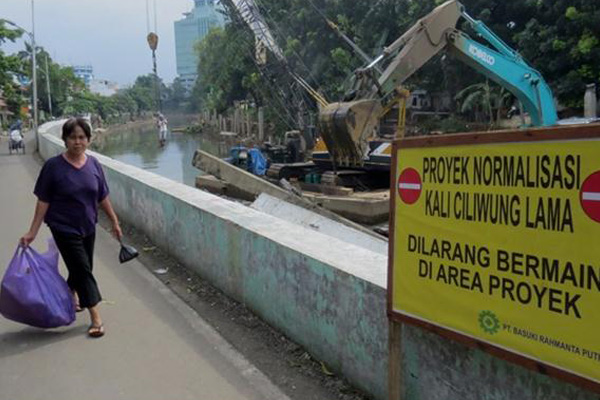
<point>69,188</point>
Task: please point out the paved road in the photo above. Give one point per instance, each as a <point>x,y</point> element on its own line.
<point>155,347</point>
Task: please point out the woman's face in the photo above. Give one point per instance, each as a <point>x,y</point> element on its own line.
<point>77,142</point>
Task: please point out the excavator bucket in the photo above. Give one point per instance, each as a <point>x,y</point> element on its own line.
<point>346,128</point>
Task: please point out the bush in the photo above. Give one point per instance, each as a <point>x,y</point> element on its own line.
<point>436,124</point>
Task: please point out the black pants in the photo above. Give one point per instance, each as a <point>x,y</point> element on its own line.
<point>78,252</point>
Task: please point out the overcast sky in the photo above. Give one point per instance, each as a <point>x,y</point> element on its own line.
<point>110,35</point>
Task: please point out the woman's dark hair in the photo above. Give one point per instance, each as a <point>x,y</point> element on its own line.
<point>70,126</point>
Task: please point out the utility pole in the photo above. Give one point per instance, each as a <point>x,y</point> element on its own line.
<point>34,77</point>
<point>48,88</point>
<point>33,72</point>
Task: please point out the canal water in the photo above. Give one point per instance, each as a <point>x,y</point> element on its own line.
<point>139,147</point>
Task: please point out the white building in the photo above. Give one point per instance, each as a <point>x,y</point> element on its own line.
<point>103,87</point>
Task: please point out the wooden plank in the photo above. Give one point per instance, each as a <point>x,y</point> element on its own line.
<point>326,189</point>
<point>501,353</point>
<point>574,132</point>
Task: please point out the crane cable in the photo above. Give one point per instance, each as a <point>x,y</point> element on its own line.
<point>281,34</point>
<point>155,19</point>
<point>318,10</point>
<point>276,95</point>
<point>275,88</point>
<point>316,96</point>
<point>344,37</point>
<point>147,17</point>
<point>148,27</point>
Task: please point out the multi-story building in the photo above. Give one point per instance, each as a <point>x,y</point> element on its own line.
<point>84,72</point>
<point>189,31</point>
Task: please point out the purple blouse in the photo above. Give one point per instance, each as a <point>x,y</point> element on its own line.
<point>73,194</point>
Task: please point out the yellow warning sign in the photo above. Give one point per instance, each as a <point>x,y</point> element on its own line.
<point>501,243</point>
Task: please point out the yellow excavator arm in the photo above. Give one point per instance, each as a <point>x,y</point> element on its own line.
<point>346,127</point>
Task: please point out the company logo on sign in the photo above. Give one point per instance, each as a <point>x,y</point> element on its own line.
<point>488,322</point>
<point>482,55</point>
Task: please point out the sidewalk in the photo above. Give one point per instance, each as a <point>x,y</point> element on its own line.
<point>155,346</point>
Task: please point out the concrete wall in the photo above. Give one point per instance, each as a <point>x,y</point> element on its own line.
<point>327,295</point>
<point>315,222</point>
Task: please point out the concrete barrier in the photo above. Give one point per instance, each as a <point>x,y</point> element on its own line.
<point>325,294</point>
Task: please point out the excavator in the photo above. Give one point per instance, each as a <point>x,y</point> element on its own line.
<point>347,128</point>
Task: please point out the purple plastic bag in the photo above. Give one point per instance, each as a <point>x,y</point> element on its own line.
<point>33,292</point>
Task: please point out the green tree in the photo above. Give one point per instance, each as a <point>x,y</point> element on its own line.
<point>143,92</point>
<point>484,100</point>
<point>562,37</point>
<point>175,96</point>
<point>10,67</point>
<point>125,103</point>
<point>63,83</point>
<point>557,37</point>
<point>224,68</point>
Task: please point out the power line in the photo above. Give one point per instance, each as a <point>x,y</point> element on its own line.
<point>245,13</point>
<point>250,14</point>
<point>277,93</point>
<point>301,100</point>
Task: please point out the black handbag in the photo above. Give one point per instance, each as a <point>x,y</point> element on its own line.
<point>127,253</point>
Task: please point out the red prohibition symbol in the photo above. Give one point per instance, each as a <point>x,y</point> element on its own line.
<point>590,196</point>
<point>409,186</point>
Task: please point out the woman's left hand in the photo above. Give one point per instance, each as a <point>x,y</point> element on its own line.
<point>116,230</point>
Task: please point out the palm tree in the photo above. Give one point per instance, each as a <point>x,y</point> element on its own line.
<point>482,96</point>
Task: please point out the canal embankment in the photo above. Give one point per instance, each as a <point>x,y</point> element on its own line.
<point>319,291</point>
<point>327,295</point>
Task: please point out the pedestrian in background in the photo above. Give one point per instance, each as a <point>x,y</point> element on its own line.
<point>163,129</point>
<point>69,189</point>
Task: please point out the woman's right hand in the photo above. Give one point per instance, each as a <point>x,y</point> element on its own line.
<point>27,238</point>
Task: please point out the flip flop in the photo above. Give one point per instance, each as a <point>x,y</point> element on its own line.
<point>96,331</point>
